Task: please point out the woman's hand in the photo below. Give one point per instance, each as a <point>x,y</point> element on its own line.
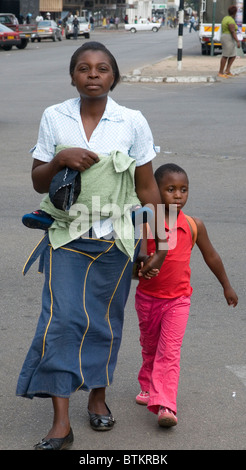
<point>77,158</point>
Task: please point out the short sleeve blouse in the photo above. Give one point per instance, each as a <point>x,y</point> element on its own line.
<point>120,128</point>
<point>227,20</point>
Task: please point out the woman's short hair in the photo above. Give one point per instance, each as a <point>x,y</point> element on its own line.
<point>232,10</point>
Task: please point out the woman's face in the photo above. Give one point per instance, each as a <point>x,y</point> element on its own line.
<point>93,74</point>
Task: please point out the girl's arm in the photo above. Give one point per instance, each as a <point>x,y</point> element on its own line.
<point>214,262</point>
<point>148,193</point>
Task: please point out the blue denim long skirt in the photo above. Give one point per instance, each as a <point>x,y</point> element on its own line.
<point>79,331</point>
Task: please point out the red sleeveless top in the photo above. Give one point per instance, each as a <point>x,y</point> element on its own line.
<point>174,277</point>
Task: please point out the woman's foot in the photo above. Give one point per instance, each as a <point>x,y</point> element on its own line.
<point>60,435</point>
<point>101,418</point>
<point>58,431</point>
<point>61,422</point>
<point>61,443</point>
<point>96,402</point>
<point>100,422</point>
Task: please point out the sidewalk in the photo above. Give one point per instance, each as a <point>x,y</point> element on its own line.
<point>194,69</point>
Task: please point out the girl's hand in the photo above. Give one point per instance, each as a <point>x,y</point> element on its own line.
<point>149,274</point>
<point>77,158</point>
<point>151,266</point>
<point>231,296</point>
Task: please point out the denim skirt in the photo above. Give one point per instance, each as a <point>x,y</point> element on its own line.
<point>79,331</point>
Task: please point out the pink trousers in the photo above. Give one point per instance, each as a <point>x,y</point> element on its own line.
<point>162,324</point>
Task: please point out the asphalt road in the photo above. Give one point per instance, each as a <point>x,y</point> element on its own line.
<point>199,126</point>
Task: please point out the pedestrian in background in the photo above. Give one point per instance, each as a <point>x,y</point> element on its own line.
<point>229,40</point>
<point>92,23</point>
<point>192,23</point>
<point>163,302</point>
<point>75,27</point>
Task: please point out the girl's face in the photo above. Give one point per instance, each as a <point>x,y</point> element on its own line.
<point>93,74</point>
<point>174,188</point>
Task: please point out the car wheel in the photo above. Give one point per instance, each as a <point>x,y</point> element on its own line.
<point>7,48</point>
<point>205,49</point>
<point>155,29</point>
<point>87,35</point>
<point>133,30</point>
<point>67,37</point>
<point>23,44</point>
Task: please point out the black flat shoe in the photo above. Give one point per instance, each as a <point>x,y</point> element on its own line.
<point>101,422</point>
<point>61,443</point>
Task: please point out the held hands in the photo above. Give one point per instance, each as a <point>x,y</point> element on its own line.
<point>77,158</point>
<point>150,267</point>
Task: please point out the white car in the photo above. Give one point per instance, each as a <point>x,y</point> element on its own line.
<point>84,28</point>
<point>143,25</point>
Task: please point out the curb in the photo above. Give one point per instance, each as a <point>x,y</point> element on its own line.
<point>181,79</point>
<point>136,77</point>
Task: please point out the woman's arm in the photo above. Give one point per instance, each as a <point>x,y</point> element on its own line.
<point>148,193</point>
<point>234,34</point>
<point>214,262</point>
<point>143,256</point>
<point>74,158</point>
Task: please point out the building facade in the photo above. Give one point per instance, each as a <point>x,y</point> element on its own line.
<point>97,8</point>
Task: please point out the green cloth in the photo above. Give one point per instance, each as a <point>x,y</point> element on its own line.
<point>227,20</point>
<point>107,190</point>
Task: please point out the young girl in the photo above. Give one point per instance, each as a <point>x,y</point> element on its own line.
<point>163,302</point>
<point>87,281</point>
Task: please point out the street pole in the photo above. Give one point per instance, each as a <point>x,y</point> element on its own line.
<point>213,22</point>
<point>180,34</point>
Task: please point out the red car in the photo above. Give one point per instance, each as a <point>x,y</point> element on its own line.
<point>9,38</point>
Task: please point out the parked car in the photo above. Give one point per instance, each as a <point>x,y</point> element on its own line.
<point>25,30</point>
<point>9,38</point>
<point>83,30</point>
<point>47,29</point>
<point>143,25</point>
